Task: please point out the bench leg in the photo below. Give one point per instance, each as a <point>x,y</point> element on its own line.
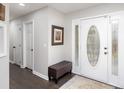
<point>49,78</point>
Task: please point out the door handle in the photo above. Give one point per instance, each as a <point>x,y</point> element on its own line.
<point>105,53</point>
<point>31,49</point>
<point>105,48</point>
<point>14,47</point>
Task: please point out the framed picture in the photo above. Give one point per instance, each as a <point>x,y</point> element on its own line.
<point>2,12</point>
<point>57,35</point>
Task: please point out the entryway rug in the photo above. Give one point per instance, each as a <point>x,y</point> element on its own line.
<point>79,82</point>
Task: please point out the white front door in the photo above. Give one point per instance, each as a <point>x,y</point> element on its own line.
<point>93,48</point>
<point>29,45</point>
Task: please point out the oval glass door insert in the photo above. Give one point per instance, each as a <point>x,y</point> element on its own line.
<point>93,45</point>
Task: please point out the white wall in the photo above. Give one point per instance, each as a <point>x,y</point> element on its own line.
<point>40,18</point>
<point>45,54</point>
<point>57,53</point>
<point>4,61</point>
<point>92,11</point>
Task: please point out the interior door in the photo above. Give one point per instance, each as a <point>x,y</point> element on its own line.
<point>93,48</point>
<point>18,45</point>
<point>29,45</point>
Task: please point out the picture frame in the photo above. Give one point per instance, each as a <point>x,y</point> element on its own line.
<point>2,12</point>
<point>57,35</point>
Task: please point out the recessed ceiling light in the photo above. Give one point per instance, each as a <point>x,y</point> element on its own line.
<point>21,4</point>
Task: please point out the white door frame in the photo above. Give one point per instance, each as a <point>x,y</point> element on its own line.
<point>24,43</point>
<point>109,44</point>
<point>76,69</point>
<point>77,22</point>
<point>4,53</point>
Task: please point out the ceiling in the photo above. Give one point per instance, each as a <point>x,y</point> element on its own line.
<point>16,10</point>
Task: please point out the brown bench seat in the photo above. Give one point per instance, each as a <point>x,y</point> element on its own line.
<point>57,70</point>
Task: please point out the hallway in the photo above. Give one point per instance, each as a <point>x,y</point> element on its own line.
<point>24,79</point>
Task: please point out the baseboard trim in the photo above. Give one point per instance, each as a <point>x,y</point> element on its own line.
<point>22,66</point>
<point>11,61</point>
<point>40,75</point>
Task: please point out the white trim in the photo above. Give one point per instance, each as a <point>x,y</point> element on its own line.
<point>24,47</point>
<point>40,75</point>
<point>21,66</point>
<point>109,58</point>
<point>100,15</point>
<point>11,61</point>
<point>75,69</point>
<point>4,53</point>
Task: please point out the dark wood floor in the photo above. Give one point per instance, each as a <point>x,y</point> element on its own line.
<point>24,79</point>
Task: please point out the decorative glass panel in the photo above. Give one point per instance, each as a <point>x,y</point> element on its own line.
<point>76,44</point>
<point>115,47</point>
<point>93,45</point>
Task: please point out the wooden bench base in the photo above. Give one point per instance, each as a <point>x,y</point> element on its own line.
<point>58,70</point>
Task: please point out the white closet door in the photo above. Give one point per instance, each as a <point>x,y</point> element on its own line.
<point>93,48</point>
<point>18,45</point>
<point>29,46</point>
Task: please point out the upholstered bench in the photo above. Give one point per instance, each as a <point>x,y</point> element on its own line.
<point>58,70</point>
